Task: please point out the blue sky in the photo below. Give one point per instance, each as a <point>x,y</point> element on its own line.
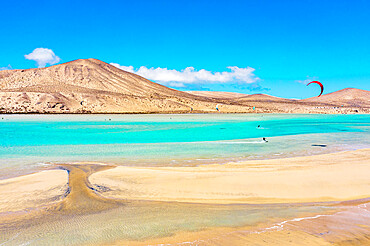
<point>283,41</point>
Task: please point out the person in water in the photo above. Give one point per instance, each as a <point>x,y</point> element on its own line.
<point>259,126</point>
<point>264,139</point>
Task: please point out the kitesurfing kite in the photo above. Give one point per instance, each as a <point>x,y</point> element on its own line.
<point>319,83</point>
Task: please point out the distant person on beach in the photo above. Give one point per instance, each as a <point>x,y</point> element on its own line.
<point>264,139</point>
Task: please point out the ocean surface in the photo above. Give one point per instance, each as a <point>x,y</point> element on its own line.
<point>32,142</point>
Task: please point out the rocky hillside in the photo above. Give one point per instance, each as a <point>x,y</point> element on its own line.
<point>93,86</point>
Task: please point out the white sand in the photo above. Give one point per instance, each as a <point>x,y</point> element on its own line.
<point>32,190</point>
<point>329,177</point>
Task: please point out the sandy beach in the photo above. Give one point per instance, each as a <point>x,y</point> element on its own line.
<point>99,192</point>
<point>33,190</point>
<point>329,177</point>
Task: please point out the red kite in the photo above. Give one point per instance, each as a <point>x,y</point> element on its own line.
<point>319,83</point>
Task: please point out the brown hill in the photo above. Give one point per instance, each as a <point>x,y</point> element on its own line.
<point>353,101</point>
<point>346,97</point>
<point>90,85</point>
<point>83,75</point>
<point>217,94</point>
<point>93,86</point>
<point>263,103</point>
<point>262,98</point>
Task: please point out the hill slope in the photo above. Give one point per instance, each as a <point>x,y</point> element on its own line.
<point>353,101</point>
<point>217,94</point>
<point>348,97</point>
<point>90,85</point>
<point>83,75</point>
<point>262,98</point>
<point>93,86</point>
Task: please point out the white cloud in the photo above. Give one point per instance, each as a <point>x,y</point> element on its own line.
<point>189,75</point>
<point>176,84</point>
<point>306,81</point>
<point>43,56</point>
<point>6,68</point>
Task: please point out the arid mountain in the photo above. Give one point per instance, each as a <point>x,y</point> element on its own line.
<point>262,98</point>
<point>346,97</point>
<point>340,102</point>
<point>217,94</point>
<point>93,86</point>
<point>83,76</point>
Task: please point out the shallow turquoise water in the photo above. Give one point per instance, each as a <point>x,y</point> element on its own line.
<point>31,141</point>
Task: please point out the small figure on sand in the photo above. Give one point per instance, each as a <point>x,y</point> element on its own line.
<point>264,139</point>
<point>217,108</point>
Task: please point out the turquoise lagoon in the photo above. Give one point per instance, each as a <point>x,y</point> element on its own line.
<point>31,142</point>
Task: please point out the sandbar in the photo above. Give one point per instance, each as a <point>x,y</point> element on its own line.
<point>33,190</point>
<point>321,178</point>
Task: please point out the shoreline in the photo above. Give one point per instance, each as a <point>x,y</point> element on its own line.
<point>180,113</point>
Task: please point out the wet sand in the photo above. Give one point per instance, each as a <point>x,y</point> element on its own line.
<point>110,213</point>
<point>350,226</point>
<point>81,196</point>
